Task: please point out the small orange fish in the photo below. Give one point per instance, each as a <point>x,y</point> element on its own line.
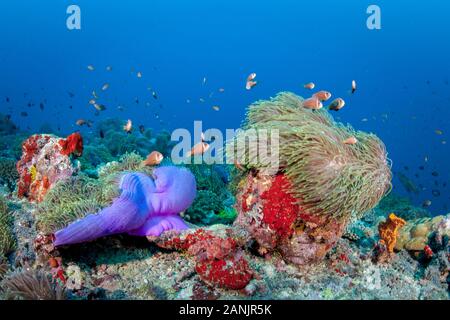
<point>312,103</point>
<point>250,85</point>
<point>99,107</point>
<point>80,122</point>
<point>250,81</point>
<point>309,85</point>
<point>322,95</point>
<point>337,104</point>
<point>251,77</point>
<point>128,126</point>
<point>353,86</point>
<point>153,159</point>
<point>198,149</point>
<point>350,141</point>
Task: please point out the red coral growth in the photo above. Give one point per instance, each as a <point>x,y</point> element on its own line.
<point>231,273</point>
<point>72,144</point>
<point>44,161</point>
<point>30,148</point>
<point>24,185</point>
<point>279,207</point>
<point>203,245</point>
<point>217,258</point>
<point>245,199</point>
<point>428,252</point>
<point>199,236</point>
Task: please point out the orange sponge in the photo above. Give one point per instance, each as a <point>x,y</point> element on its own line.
<point>389,230</point>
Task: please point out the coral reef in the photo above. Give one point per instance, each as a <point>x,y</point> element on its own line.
<point>227,215</point>
<point>8,173</point>
<point>45,160</point>
<point>419,233</point>
<point>204,209</point>
<point>94,156</point>
<point>7,241</point>
<point>219,259</point>
<point>111,136</point>
<point>127,162</point>
<point>263,247</point>
<point>72,144</point>
<point>389,231</point>
<point>403,207</point>
<point>212,193</point>
<point>326,182</point>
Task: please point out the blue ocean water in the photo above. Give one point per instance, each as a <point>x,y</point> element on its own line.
<point>402,70</point>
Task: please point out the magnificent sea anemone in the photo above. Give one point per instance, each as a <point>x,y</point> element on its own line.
<point>332,182</point>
